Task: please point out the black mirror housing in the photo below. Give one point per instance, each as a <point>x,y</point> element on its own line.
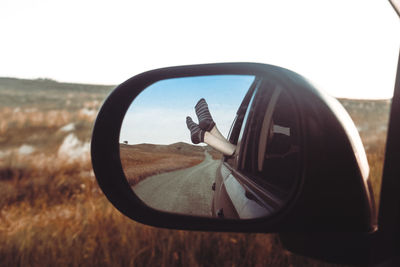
<point>333,193</point>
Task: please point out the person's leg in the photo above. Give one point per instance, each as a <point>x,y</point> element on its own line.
<point>214,131</point>
<point>203,114</point>
<point>198,135</point>
<point>222,146</point>
<point>206,122</point>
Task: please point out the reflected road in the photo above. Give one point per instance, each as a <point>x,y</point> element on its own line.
<point>185,191</point>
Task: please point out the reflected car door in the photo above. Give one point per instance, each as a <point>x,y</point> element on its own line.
<point>259,178</point>
<point>225,201</point>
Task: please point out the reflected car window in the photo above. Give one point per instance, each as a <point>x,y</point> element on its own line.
<point>272,155</point>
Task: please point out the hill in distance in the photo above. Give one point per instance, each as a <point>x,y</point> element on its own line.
<point>49,94</point>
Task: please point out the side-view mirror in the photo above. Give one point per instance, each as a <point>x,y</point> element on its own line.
<point>238,147</point>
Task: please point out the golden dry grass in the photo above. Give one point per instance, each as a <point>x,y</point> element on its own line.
<point>58,216</point>
<point>52,212</point>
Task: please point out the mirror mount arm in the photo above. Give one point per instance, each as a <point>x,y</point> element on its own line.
<point>389,209</point>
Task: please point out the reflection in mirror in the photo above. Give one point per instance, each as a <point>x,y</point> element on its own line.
<point>200,146</point>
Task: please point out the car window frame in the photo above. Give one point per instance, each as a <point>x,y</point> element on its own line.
<point>257,183</point>
<point>239,124</point>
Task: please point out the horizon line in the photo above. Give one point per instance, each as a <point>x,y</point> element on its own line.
<point>115,85</point>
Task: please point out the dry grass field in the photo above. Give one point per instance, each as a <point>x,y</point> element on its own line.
<point>52,212</point>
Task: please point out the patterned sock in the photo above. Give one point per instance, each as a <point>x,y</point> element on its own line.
<point>196,134</point>
<point>206,122</point>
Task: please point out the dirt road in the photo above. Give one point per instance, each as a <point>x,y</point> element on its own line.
<point>185,191</point>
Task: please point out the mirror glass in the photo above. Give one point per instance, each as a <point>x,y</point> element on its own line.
<point>224,146</point>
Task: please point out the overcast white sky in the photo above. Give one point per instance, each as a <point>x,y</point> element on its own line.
<point>348,48</point>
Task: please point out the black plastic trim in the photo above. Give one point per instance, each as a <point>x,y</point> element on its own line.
<point>106,158</point>
<point>298,215</point>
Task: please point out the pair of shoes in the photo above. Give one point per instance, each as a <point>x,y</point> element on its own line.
<point>206,123</point>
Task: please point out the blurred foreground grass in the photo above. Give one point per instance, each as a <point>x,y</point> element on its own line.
<point>53,213</point>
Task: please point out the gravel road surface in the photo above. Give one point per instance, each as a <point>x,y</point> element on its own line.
<point>185,191</point>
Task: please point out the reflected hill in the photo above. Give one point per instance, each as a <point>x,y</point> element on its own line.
<point>142,160</point>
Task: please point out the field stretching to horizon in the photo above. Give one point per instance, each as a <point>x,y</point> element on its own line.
<point>52,212</point>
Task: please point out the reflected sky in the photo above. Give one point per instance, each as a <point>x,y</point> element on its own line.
<point>158,114</point>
